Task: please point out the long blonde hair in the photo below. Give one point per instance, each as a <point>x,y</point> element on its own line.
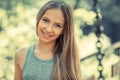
<point>66,58</point>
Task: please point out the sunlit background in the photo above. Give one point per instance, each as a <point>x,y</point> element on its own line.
<point>17,30</point>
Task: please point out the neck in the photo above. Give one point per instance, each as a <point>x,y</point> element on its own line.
<point>45,47</point>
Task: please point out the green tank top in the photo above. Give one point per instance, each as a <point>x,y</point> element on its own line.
<point>35,68</point>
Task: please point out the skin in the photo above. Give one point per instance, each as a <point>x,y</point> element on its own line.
<point>50,27</point>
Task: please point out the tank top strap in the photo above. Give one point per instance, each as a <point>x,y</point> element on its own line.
<point>31,50</point>
<point>29,54</point>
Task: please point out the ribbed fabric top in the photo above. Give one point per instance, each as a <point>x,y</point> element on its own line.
<point>35,68</point>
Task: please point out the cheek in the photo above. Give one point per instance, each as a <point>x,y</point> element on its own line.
<point>38,29</point>
<point>39,26</point>
<point>59,33</point>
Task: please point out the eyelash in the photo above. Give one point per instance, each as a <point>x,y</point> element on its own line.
<point>58,25</point>
<point>45,20</point>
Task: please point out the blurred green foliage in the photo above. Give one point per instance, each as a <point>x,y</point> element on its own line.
<point>17,29</point>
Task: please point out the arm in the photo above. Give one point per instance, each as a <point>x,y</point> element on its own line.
<point>18,71</point>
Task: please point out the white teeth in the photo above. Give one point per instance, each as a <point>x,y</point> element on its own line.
<point>46,34</point>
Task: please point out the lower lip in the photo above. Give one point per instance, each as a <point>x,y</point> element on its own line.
<point>44,36</point>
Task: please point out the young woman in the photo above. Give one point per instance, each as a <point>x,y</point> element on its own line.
<point>54,55</point>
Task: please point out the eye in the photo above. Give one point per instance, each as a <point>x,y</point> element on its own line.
<point>45,20</point>
<point>58,25</point>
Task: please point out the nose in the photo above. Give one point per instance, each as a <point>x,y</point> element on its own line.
<point>49,28</point>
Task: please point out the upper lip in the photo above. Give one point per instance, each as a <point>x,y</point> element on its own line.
<point>46,34</point>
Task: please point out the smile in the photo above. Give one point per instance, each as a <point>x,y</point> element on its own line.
<point>45,35</point>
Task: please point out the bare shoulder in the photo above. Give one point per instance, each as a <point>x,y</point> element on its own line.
<point>21,53</point>
<point>20,56</point>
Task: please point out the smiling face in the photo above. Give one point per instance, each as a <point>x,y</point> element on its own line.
<point>51,25</point>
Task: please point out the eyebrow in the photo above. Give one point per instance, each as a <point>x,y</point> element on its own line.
<point>56,22</point>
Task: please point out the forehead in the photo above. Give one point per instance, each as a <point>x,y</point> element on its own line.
<point>54,14</point>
